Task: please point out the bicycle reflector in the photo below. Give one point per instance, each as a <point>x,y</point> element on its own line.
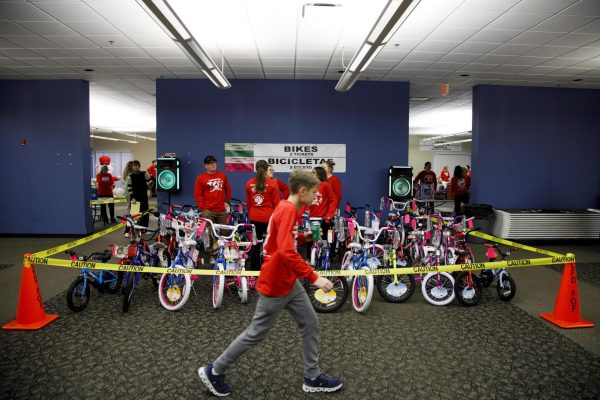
<point>400,183</point>
<point>167,174</point>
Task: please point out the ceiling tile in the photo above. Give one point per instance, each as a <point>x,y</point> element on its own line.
<point>140,61</point>
<point>584,8</point>
<point>159,40</point>
<point>563,23</point>
<point>494,35</point>
<point>574,39</point>
<point>513,49</point>
<point>583,52</point>
<point>22,11</point>
<point>105,41</point>
<point>543,6</point>
<point>107,62</point>
<point>509,68</point>
<point>48,28</point>
<point>423,56</point>
<point>465,18</point>
<point>18,53</point>
<point>97,52</point>
<point>32,42</point>
<point>164,51</point>
<point>436,46</point>
<point>445,66</point>
<point>40,62</point>
<point>497,5</point>
<point>273,75</point>
<point>527,60</point>
<point>10,28</point>
<point>52,53</point>
<point>549,51</point>
<point>477,67</point>
<point>72,42</point>
<point>459,58</point>
<point>494,59</point>
<point>592,27</point>
<point>452,33</point>
<point>277,62</point>
<point>517,21</point>
<point>174,61</point>
<point>67,12</point>
<point>127,52</point>
<point>73,62</point>
<point>591,64</point>
<point>561,62</point>
<point>535,38</point>
<point>91,28</point>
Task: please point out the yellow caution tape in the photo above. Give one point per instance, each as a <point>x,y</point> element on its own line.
<point>79,242</point>
<point>533,262</point>
<point>513,244</point>
<point>108,201</point>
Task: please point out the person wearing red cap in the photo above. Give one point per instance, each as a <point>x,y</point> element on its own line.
<point>212,193</point>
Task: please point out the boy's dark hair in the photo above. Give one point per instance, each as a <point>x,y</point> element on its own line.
<point>300,178</point>
<point>135,162</point>
<point>321,173</point>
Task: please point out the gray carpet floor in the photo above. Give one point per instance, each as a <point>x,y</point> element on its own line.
<point>394,351</point>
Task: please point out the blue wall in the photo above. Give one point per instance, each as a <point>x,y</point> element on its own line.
<point>46,182</point>
<point>195,119</point>
<point>536,147</point>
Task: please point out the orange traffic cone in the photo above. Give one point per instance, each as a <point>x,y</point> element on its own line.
<point>566,312</point>
<point>30,310</point>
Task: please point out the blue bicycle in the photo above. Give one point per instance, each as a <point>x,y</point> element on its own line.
<point>78,294</point>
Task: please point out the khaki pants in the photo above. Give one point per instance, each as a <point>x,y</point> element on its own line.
<point>216,218</point>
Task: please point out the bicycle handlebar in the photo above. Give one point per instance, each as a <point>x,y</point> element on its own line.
<point>232,228</point>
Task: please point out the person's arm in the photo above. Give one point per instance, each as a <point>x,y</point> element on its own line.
<point>287,248</point>
<point>129,188</point>
<point>248,197</point>
<point>227,188</point>
<point>332,202</point>
<point>276,193</point>
<point>198,194</point>
<point>284,188</point>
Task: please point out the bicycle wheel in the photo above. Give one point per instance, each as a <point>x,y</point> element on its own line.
<point>362,292</point>
<point>77,297</point>
<point>174,290</point>
<point>468,289</point>
<point>438,288</point>
<point>218,287</point>
<point>243,289</point>
<point>399,292</point>
<point>506,288</point>
<point>328,302</point>
<point>128,293</point>
<point>113,281</point>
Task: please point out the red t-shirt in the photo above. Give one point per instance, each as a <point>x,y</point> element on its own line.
<point>427,177</point>
<point>336,185</point>
<point>445,175</point>
<point>325,202</point>
<point>211,191</point>
<point>261,205</point>
<point>282,265</point>
<point>283,189</point>
<point>152,170</point>
<point>460,185</point>
<point>105,185</point>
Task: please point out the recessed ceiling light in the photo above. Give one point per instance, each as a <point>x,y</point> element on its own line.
<point>419,98</point>
<point>89,70</point>
<point>577,80</point>
<point>464,74</point>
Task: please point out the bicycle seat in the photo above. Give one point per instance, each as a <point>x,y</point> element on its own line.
<point>357,246</point>
<point>102,257</point>
<point>189,242</point>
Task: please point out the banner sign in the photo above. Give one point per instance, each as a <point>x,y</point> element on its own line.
<point>439,145</point>
<point>284,157</point>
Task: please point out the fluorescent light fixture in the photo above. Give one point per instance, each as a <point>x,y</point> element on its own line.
<point>453,142</point>
<point>467,133</point>
<point>112,139</point>
<point>163,14</point>
<point>393,16</point>
<point>133,135</point>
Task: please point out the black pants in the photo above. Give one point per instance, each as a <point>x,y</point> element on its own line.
<point>111,211</point>
<point>261,229</point>
<point>144,207</point>
<point>458,199</point>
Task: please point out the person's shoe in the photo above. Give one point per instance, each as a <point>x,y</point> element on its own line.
<point>215,383</point>
<point>113,221</point>
<point>322,383</point>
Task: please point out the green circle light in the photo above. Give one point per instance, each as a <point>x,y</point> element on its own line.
<point>166,180</point>
<point>401,187</point>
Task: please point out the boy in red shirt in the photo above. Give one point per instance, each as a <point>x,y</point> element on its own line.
<point>212,192</point>
<point>279,289</point>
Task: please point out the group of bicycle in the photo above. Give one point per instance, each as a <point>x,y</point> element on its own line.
<point>396,234</point>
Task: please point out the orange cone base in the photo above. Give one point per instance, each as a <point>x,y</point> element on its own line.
<point>566,324</point>
<point>14,325</point>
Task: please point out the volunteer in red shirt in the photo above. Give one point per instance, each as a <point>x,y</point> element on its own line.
<point>105,189</point>
<point>152,171</point>
<point>212,192</point>
<point>461,187</point>
<point>445,174</point>
<point>284,192</point>
<point>262,195</point>
<point>325,202</point>
<point>333,180</point>
<point>278,289</point>
<point>425,185</point>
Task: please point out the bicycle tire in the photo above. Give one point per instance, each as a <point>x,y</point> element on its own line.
<point>128,293</point>
<point>218,287</point>
<point>174,293</point>
<point>243,290</point>
<point>113,285</point>
<point>77,298</point>
<point>399,294</point>
<point>433,294</point>
<point>509,290</point>
<point>468,293</point>
<point>327,304</point>
<point>362,291</point>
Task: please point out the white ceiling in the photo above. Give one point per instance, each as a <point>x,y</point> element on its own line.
<point>459,42</point>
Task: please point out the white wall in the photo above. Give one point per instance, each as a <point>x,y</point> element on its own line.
<point>418,158</point>
<point>144,151</point>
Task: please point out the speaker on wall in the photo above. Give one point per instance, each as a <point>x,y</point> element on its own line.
<point>167,174</point>
<point>400,183</point>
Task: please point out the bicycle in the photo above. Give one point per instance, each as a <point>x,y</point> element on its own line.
<point>236,261</point>
<point>506,287</point>
<point>78,293</point>
<point>325,302</point>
